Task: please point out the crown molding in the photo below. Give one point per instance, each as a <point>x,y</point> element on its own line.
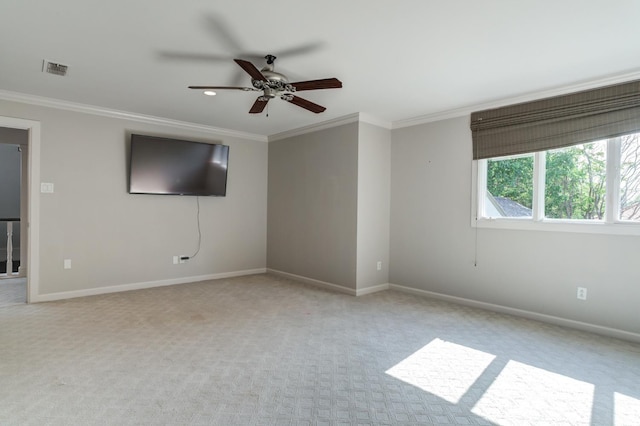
<point>528,97</point>
<point>112,113</point>
<point>339,121</point>
<point>370,119</point>
<point>335,122</point>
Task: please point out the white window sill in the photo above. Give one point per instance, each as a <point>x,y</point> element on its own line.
<point>556,225</point>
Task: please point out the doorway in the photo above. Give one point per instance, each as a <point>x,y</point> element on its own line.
<point>13,283</point>
<point>19,210</point>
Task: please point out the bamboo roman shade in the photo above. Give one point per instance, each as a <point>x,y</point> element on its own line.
<point>557,122</point>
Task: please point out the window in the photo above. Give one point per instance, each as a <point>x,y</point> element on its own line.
<point>630,178</point>
<point>575,182</point>
<point>595,183</point>
<point>509,191</point>
<point>568,162</point>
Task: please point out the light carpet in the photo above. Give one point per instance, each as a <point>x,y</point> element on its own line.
<point>265,350</point>
<point>13,291</point>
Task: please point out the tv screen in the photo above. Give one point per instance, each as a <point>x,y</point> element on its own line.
<point>177,167</point>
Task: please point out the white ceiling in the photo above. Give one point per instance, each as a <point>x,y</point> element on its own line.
<point>397,60</point>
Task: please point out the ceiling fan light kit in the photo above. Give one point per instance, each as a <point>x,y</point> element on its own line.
<point>274,84</point>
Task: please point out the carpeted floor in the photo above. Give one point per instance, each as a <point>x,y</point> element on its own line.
<point>264,350</point>
<point>13,291</point>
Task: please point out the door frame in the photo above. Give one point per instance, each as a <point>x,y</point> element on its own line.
<point>33,201</point>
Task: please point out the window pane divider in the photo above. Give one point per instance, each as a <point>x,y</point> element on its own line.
<point>482,188</point>
<point>612,210</point>
<point>539,170</point>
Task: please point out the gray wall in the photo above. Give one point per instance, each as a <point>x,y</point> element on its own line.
<point>374,186</point>
<point>312,207</point>
<point>329,205</point>
<point>325,220</point>
<point>433,243</point>
<point>114,238</point>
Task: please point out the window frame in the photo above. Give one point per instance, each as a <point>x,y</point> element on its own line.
<point>610,225</point>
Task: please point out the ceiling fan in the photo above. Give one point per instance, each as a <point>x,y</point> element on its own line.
<point>273,84</point>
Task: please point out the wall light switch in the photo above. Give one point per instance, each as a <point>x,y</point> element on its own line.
<point>67,264</point>
<point>46,187</point>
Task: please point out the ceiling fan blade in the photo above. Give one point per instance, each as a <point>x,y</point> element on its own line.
<point>250,69</point>
<point>238,78</point>
<point>299,50</point>
<point>246,89</point>
<point>195,57</point>
<point>327,83</point>
<point>221,31</point>
<point>296,100</point>
<point>258,105</point>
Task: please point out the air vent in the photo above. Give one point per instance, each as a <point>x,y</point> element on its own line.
<point>54,68</point>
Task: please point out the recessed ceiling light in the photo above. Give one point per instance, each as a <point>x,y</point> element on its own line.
<point>209,93</point>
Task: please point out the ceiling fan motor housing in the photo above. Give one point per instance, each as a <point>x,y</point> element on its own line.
<point>269,93</point>
<point>274,80</point>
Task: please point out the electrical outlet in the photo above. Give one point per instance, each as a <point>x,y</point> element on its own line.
<point>184,258</point>
<point>67,264</point>
<point>46,188</point>
<point>379,265</point>
<point>175,260</point>
<point>582,293</point>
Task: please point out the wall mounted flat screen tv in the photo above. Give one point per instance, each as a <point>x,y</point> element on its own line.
<point>177,167</point>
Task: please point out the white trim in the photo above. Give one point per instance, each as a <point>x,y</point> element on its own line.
<point>351,118</point>
<point>112,113</point>
<point>312,281</point>
<point>528,97</point>
<point>612,207</point>
<point>33,208</point>
<point>436,116</point>
<point>579,325</point>
<point>539,185</point>
<point>372,289</point>
<point>479,190</point>
<point>331,286</point>
<point>370,119</point>
<point>33,216</point>
<point>559,225</point>
<point>143,285</point>
<point>340,121</point>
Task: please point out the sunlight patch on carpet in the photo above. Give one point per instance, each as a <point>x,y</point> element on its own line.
<point>523,394</point>
<point>626,409</point>
<point>442,368</point>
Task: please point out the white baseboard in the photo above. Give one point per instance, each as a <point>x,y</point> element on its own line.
<point>142,285</point>
<point>331,286</point>
<point>606,331</point>
<point>312,281</point>
<point>579,325</point>
<point>372,289</point>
